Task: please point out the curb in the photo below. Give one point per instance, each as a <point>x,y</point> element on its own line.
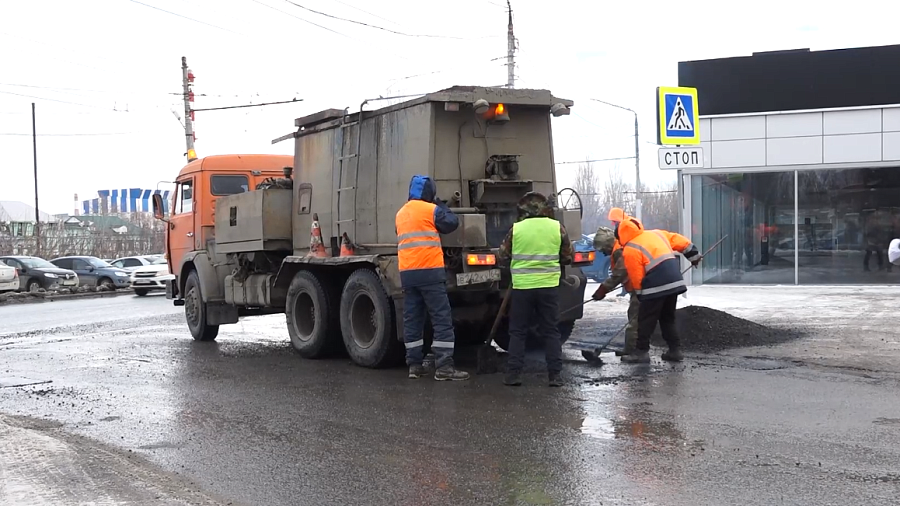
<point>64,296</point>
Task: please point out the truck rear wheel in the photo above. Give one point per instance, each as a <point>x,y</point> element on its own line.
<point>195,311</point>
<point>309,316</point>
<point>367,321</point>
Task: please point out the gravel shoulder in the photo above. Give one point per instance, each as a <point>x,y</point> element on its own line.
<point>42,464</point>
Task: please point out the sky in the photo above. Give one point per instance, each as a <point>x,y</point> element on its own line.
<point>105,75</point>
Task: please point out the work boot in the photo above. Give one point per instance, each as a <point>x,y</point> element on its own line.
<point>449,373</point>
<point>673,355</point>
<point>416,371</point>
<point>512,379</point>
<point>428,362</point>
<point>555,380</point>
<point>638,357</point>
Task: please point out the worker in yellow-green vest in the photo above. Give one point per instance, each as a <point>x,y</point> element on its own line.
<point>536,247</point>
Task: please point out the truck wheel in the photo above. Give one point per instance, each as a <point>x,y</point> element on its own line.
<point>309,316</point>
<point>367,322</point>
<point>195,311</point>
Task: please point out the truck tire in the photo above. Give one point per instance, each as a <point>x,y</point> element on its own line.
<point>367,322</point>
<point>309,315</point>
<point>195,311</point>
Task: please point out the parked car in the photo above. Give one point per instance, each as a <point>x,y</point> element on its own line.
<point>94,272</point>
<point>599,270</point>
<point>9,278</point>
<point>36,273</point>
<point>151,277</point>
<point>129,264</point>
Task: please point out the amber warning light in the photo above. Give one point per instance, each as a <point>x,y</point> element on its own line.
<point>481,259</point>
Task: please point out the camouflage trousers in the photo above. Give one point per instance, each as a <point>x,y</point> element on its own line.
<point>632,327</point>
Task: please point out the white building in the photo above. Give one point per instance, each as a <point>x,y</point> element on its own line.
<point>801,166</point>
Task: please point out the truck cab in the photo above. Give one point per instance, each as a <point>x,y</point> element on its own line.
<point>191,220</point>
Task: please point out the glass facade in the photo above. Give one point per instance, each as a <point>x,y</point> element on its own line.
<point>844,219</point>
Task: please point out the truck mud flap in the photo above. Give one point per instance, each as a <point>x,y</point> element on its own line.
<point>572,294</point>
<point>221,314</point>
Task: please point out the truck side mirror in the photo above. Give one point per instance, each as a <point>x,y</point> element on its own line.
<point>158,211</point>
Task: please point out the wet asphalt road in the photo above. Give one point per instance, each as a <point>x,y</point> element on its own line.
<point>246,420</point>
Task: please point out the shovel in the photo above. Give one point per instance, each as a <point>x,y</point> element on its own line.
<point>487,355</point>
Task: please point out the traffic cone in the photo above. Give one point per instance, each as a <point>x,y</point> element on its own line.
<point>316,246</point>
<point>347,248</point>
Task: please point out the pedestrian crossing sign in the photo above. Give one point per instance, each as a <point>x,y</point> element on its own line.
<point>678,114</point>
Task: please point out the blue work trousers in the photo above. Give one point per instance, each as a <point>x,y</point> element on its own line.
<point>430,299</point>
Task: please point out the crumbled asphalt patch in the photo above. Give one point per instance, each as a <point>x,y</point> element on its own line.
<point>705,330</point>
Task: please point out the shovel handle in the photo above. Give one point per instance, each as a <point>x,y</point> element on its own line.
<point>500,314</point>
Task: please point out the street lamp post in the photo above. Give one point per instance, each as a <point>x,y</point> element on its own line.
<point>637,158</point>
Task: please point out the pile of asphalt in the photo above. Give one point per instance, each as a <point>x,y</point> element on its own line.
<point>705,330</point>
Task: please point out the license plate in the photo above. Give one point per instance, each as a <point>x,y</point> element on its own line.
<point>9,285</point>
<point>70,282</point>
<point>477,277</point>
<point>139,282</point>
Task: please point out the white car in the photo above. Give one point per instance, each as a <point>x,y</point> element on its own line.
<point>9,278</point>
<point>151,277</point>
<point>129,264</point>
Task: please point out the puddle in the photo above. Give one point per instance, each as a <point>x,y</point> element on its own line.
<point>598,427</point>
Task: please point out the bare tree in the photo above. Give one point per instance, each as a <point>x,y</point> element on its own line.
<point>616,192</point>
<point>660,206</point>
<point>588,187</point>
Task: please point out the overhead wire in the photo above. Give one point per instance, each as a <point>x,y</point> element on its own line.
<point>301,19</point>
<point>82,134</point>
<point>379,27</point>
<point>366,12</point>
<point>188,18</point>
<point>59,101</point>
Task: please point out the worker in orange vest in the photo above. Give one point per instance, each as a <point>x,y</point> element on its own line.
<point>419,224</point>
<point>654,272</point>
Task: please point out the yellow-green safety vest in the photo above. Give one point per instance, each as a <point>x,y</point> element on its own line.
<point>535,254</point>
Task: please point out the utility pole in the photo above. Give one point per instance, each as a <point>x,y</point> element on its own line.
<point>510,51</point>
<point>187,77</point>
<point>637,158</point>
<point>637,170</point>
<point>37,213</point>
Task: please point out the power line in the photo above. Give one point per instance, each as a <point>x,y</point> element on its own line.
<point>248,105</point>
<point>597,160</point>
<point>365,11</point>
<point>59,101</point>
<point>301,19</point>
<point>185,17</point>
<point>89,134</point>
<point>374,26</point>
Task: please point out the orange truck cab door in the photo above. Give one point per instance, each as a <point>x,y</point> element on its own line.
<point>182,228</point>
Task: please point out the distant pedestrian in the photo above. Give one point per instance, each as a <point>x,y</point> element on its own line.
<point>420,257</point>
<point>536,248</point>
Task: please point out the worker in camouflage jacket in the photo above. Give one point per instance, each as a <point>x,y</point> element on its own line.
<point>536,247</point>
<point>606,243</point>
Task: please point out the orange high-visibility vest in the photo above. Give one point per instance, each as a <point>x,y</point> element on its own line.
<point>653,268</point>
<point>419,243</point>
